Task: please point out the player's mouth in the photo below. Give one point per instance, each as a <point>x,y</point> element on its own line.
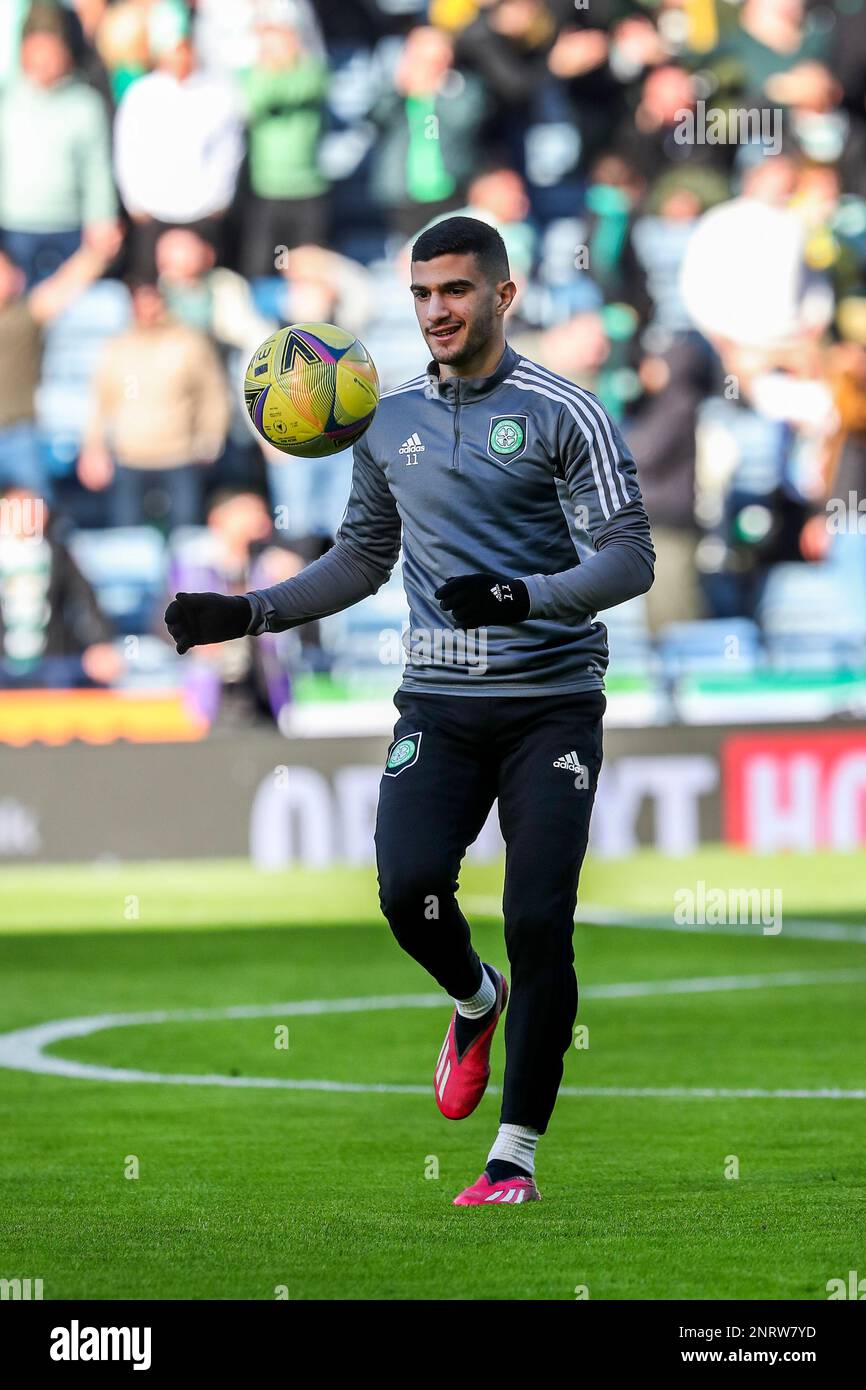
<point>443,335</point>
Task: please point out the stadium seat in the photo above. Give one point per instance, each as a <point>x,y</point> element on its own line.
<point>629,638</point>
<point>810,599</point>
<point>798,655</point>
<point>722,646</point>
<point>354,638</point>
<point>126,566</point>
<point>151,665</point>
<point>392,337</point>
<point>809,619</point>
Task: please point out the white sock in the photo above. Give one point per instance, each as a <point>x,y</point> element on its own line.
<point>481,1002</point>
<point>515,1144</point>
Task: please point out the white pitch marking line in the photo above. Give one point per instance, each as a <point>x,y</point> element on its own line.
<point>803,928</point>
<point>24,1048</point>
<point>713,1092</point>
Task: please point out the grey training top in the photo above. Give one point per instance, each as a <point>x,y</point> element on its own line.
<point>521,474</point>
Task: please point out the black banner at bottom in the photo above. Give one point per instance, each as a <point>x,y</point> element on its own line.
<point>71,1338</point>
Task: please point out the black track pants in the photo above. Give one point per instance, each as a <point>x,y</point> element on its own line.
<point>452,756</point>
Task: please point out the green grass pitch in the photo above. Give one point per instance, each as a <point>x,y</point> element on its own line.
<point>257,1192</point>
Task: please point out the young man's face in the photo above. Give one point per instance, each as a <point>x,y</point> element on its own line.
<point>148,306</point>
<point>44,58</point>
<point>241,519</point>
<point>183,256</point>
<point>457,309</point>
<point>178,61</point>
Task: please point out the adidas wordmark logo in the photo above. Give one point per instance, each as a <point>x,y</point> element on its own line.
<point>570,761</point>
<point>412,446</point>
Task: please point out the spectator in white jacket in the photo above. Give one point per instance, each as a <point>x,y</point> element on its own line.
<point>178,142</point>
<point>744,277</point>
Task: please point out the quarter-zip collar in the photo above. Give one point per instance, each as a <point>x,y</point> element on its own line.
<point>474,388</point>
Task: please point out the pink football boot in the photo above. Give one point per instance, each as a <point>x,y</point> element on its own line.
<point>511,1190</point>
<point>460,1081</point>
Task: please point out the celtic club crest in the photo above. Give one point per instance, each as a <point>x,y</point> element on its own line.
<point>506,438</point>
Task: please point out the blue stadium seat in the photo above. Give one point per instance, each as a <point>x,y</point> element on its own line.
<point>824,654</point>
<point>392,337</point>
<point>810,618</point>
<point>719,646</point>
<point>151,665</point>
<point>628,636</point>
<point>354,640</point>
<point>126,566</point>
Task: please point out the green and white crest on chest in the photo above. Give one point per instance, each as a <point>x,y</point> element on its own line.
<point>506,437</point>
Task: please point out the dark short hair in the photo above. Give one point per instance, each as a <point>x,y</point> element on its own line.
<point>136,281</point>
<point>231,492</point>
<point>456,236</point>
<point>47,17</point>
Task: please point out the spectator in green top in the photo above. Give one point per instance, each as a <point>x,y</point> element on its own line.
<point>770,37</point>
<point>429,123</point>
<point>284,96</point>
<point>55,165</point>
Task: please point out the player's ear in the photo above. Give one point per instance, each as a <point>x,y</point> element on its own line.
<point>505,292</point>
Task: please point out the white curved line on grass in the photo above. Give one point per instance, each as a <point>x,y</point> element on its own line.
<point>802,928</point>
<point>24,1048</point>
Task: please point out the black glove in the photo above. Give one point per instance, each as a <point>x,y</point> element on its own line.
<point>484,600</point>
<point>194,620</point>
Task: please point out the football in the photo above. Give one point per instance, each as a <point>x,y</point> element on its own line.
<point>311,389</point>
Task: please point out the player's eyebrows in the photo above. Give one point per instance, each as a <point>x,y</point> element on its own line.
<point>443,289</point>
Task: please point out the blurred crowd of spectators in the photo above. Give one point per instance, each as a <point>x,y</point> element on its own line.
<point>681,188</point>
